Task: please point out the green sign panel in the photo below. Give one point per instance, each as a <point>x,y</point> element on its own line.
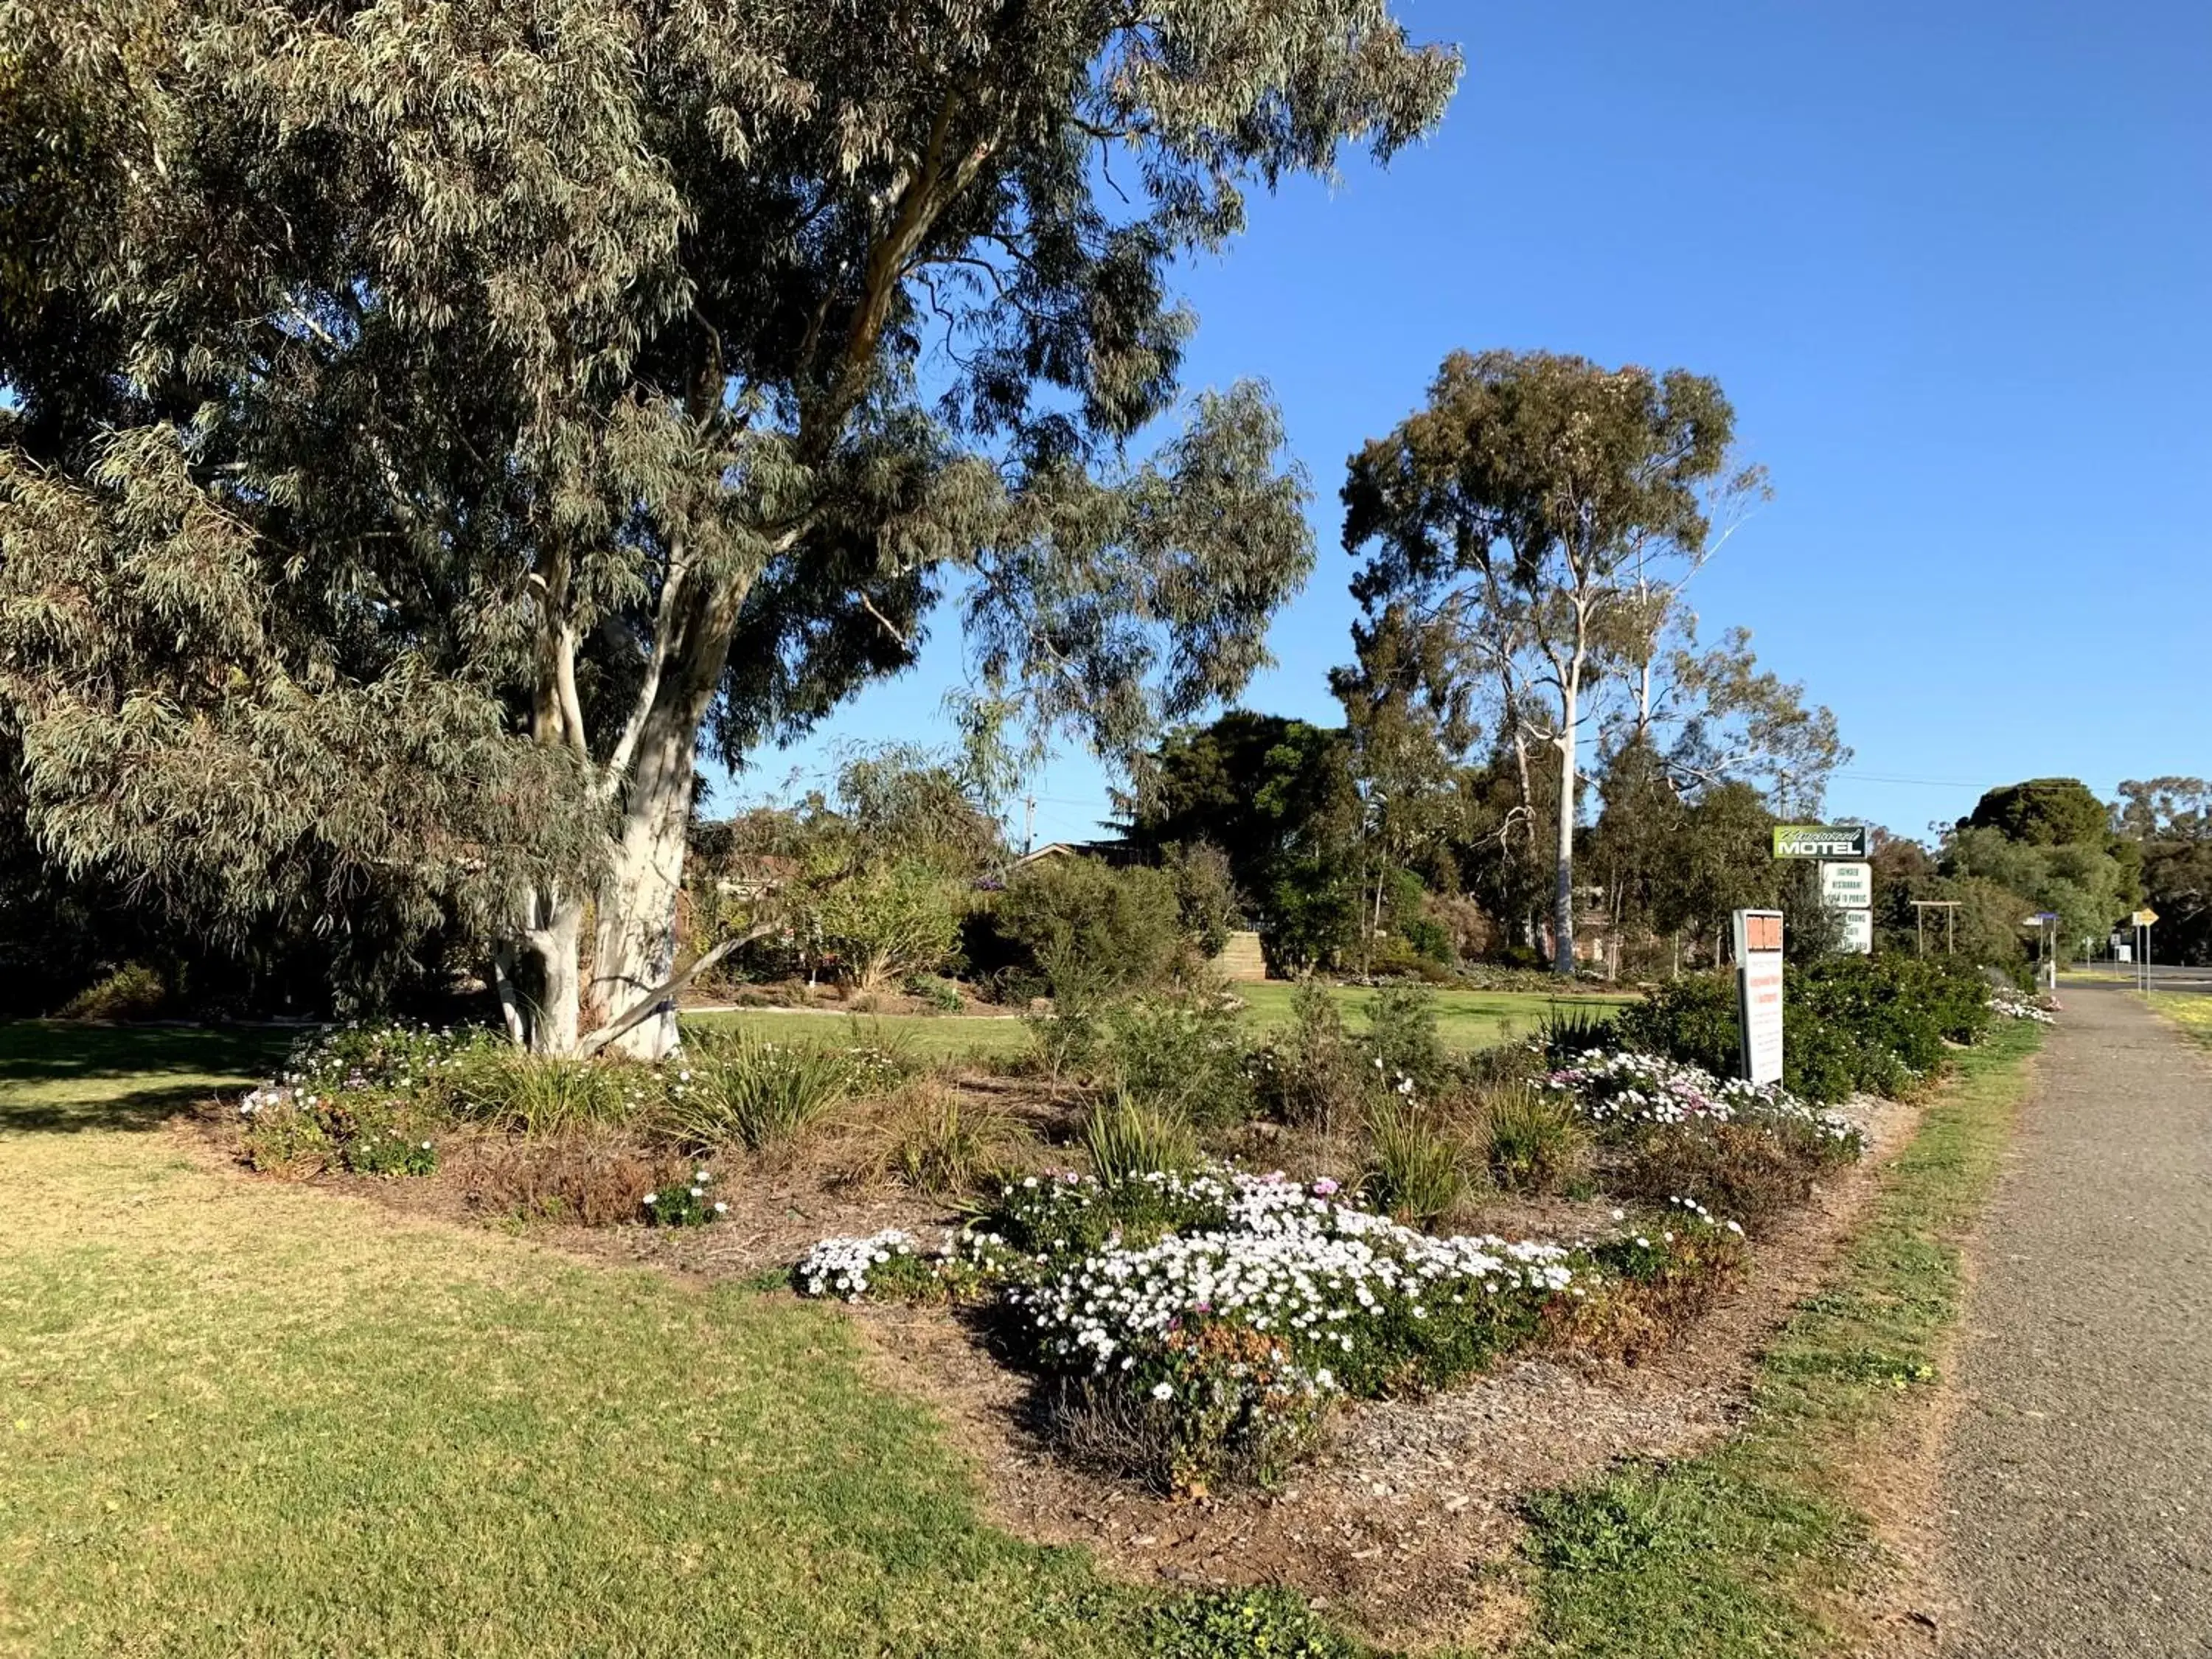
<point>1820,840</point>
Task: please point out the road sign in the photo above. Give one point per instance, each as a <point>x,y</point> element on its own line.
<point>1857,932</point>
<point>1847,886</point>
<point>1758,992</point>
<point>1820,840</point>
<point>2145,916</point>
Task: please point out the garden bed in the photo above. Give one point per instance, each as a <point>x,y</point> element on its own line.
<point>1406,1524</point>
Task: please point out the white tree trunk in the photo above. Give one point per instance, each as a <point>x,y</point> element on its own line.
<point>634,946</point>
<point>1563,886</point>
<point>538,976</point>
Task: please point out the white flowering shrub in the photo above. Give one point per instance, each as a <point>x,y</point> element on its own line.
<point>1209,1320</point>
<point>687,1201</point>
<point>2015,1005</point>
<point>1622,1091</point>
<point>848,1268</point>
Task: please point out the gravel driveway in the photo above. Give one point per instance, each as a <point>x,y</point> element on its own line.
<point>2078,1478</point>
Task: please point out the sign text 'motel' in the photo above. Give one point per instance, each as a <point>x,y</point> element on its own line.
<point>1820,840</point>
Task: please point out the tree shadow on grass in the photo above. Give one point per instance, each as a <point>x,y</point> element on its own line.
<point>64,1077</point>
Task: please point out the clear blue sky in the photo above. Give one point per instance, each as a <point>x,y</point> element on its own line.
<point>1953,262</point>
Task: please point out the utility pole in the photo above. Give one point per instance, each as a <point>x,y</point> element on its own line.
<point>1029,823</point>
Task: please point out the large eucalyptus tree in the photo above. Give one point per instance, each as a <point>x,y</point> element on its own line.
<point>433,425</point>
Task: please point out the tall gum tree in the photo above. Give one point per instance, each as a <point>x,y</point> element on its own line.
<point>489,407</point>
<point>1530,530</point>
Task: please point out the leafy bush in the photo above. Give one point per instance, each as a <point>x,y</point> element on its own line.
<point>1115,930</point>
<point>1531,1141</point>
<point>1313,1074</point>
<point>1692,1020</point>
<point>1401,1039</point>
<point>1413,1173</point>
<point>131,991</point>
<point>888,920</point>
<point>1850,1024</point>
<point>1207,905</point>
<point>1181,1052</point>
<point>1239,1624</point>
<point>687,1201</point>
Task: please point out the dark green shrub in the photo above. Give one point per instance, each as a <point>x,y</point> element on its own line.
<point>1401,1039</point>
<point>131,991</point>
<point>1313,1074</point>
<point>1692,1018</point>
<point>1120,930</point>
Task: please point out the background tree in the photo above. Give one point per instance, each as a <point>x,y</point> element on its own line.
<point>1519,523</point>
<point>2166,824</point>
<point>1278,797</point>
<point>2042,812</point>
<point>401,486</point>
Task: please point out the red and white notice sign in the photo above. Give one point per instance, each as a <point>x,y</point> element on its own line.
<point>1758,992</point>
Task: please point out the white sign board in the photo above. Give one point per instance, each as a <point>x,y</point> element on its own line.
<point>1758,992</point>
<point>1847,886</point>
<point>1857,932</point>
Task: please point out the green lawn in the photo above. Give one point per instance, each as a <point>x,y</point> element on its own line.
<point>1466,1019</point>
<point>245,1417</point>
<point>2191,1011</point>
<point>1737,1554</point>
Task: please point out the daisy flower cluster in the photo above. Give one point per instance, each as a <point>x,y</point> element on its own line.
<point>685,1203</point>
<point>1358,1303</point>
<point>1621,1089</point>
<point>843,1267</point>
<point>2013,1005</point>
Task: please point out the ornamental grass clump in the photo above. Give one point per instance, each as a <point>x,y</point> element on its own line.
<point>1413,1168</point>
<point>1531,1141</point>
<point>751,1093</point>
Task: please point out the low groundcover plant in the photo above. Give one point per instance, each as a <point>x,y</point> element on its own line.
<point>1204,1323</point>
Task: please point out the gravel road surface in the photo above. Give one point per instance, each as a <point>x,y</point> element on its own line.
<point>2078,1478</point>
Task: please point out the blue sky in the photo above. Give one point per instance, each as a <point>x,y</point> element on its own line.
<point>1951,263</point>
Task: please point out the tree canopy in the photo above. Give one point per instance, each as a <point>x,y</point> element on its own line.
<point>2043,812</point>
<point>430,422</point>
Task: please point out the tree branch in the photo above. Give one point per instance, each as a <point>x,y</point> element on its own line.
<point>648,1005</point>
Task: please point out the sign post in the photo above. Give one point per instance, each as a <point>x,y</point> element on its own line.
<point>1758,938</point>
<point>2142,920</point>
<point>1847,878</point>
